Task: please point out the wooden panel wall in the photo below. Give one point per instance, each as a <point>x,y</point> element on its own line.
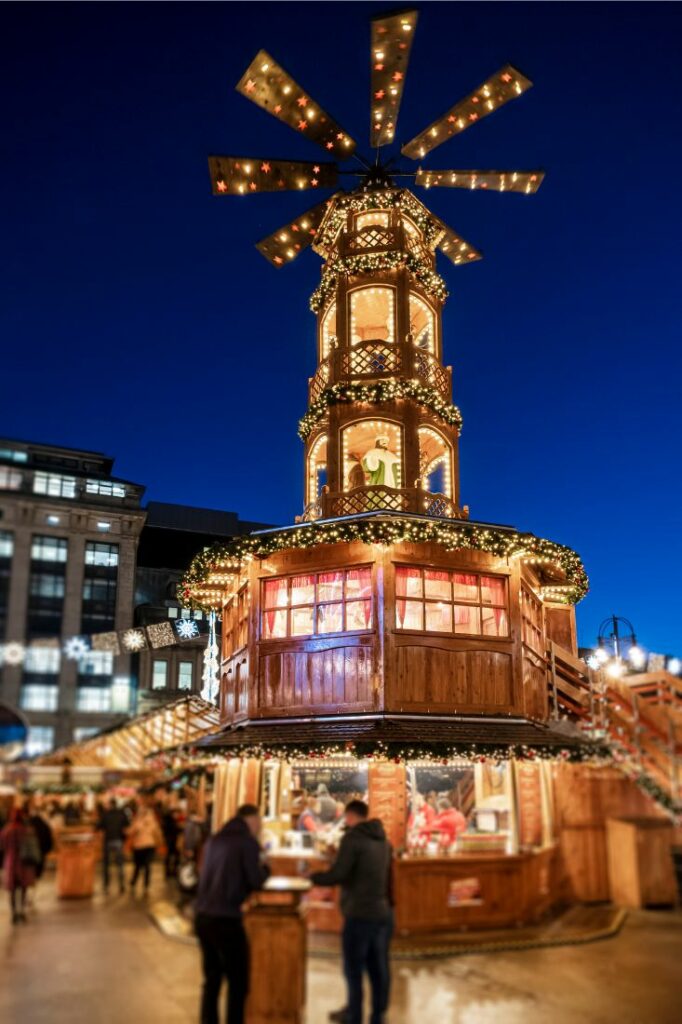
<point>430,677</point>
<point>338,677</point>
<point>585,796</point>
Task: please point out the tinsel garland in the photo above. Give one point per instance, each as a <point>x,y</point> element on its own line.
<point>370,263</point>
<point>384,391</point>
<point>388,531</point>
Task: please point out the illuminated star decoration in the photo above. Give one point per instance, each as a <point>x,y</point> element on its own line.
<point>12,653</point>
<point>186,629</point>
<point>76,647</point>
<point>134,640</point>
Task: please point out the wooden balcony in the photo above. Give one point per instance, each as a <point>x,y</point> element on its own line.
<point>376,360</point>
<point>377,498</point>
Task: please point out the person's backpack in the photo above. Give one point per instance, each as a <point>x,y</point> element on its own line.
<point>29,849</point>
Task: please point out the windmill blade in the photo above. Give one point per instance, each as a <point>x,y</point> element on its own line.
<point>266,83</point>
<point>285,244</point>
<point>526,182</point>
<point>241,175</point>
<point>457,250</point>
<point>391,44</point>
<point>505,85</point>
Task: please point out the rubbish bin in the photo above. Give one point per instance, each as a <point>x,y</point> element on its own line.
<point>76,863</point>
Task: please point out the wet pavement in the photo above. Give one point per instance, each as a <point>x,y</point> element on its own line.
<point>104,961</point>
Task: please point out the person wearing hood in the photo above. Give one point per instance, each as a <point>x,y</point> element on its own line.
<point>231,870</point>
<point>363,870</point>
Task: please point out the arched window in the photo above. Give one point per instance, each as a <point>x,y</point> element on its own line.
<point>372,315</point>
<point>435,462</point>
<point>317,468</point>
<point>372,454</point>
<point>328,331</point>
<point>422,324</point>
<point>375,218</point>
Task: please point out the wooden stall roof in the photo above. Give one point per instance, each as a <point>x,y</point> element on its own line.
<point>400,730</point>
<point>181,722</point>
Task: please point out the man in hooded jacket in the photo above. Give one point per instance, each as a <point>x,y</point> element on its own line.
<point>363,870</point>
<point>232,869</point>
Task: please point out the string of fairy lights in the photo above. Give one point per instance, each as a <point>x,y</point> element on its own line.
<point>372,263</point>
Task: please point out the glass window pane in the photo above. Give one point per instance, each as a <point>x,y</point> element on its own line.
<point>439,617</point>
<point>302,589</point>
<point>466,619</point>
<point>408,582</point>
<point>493,590</point>
<point>409,615</point>
<point>359,615</point>
<point>465,586</point>
<point>330,618</point>
<point>159,675</point>
<point>330,586</point>
<point>274,624</point>
<point>437,584</point>
<point>275,593</point>
<point>185,672</point>
<point>359,583</point>
<point>302,621</point>
<point>495,622</point>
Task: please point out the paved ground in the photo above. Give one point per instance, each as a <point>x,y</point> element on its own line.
<point>103,961</point>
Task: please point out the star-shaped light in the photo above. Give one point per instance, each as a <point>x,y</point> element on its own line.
<point>250,85</point>
<point>378,67</point>
<point>313,182</point>
<point>397,76</point>
<point>278,108</point>
<point>379,94</point>
<point>265,167</point>
<point>330,145</point>
<point>302,101</point>
<point>316,170</point>
<point>221,185</point>
<point>302,125</point>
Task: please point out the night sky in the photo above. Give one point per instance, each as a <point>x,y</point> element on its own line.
<point>138,319</point>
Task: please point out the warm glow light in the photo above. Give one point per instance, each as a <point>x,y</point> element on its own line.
<point>601,655</point>
<point>615,669</point>
<point>637,656</point>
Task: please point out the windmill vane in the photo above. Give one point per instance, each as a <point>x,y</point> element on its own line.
<point>266,83</point>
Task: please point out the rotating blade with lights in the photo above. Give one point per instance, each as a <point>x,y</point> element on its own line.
<point>269,86</point>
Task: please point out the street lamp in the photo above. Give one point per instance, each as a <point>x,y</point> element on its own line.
<point>617,649</point>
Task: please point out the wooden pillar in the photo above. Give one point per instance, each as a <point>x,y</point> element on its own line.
<point>276,929</point>
<point>386,784</point>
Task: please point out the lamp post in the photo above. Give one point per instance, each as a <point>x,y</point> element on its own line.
<point>617,650</point>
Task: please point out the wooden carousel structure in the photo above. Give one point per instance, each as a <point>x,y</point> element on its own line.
<point>386,625</point>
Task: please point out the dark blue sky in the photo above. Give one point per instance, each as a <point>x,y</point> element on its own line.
<point>138,318</point>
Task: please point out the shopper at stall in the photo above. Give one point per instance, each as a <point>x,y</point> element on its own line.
<point>113,824</point>
<point>362,869</point>
<point>171,837</point>
<point>145,836</point>
<point>43,833</point>
<point>232,869</point>
<point>21,856</point>
<point>448,822</point>
<point>308,819</point>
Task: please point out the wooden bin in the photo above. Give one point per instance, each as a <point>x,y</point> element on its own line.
<point>640,861</point>
<point>76,863</point>
<point>275,925</point>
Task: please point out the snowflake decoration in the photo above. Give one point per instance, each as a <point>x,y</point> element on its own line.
<point>187,629</point>
<point>134,640</point>
<point>13,653</point>
<point>76,647</point>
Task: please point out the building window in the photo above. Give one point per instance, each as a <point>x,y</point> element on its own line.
<point>317,468</point>
<point>6,544</point>
<point>173,613</point>
<point>46,585</point>
<point>42,660</point>
<point>6,552</point>
<point>40,740</point>
<point>100,553</point>
<point>422,324</point>
<point>93,698</point>
<point>99,590</point>
<point>85,732</point>
<point>372,315</point>
<point>159,675</point>
<point>53,520</point>
<point>185,673</point>
<point>36,697</point>
<point>96,663</point>
<point>337,601</point>
<point>328,331</point>
<point>458,603</point>
<point>13,455</point>
<point>435,462</point>
<point>372,454</point>
<point>105,488</point>
<point>103,527</point>
<point>54,484</point>
<point>10,479</point>
<point>49,549</point>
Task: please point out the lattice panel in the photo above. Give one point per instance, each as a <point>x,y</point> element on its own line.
<point>373,238</point>
<point>432,373</point>
<point>312,512</point>
<point>442,507</point>
<point>319,381</point>
<point>373,360</point>
<point>369,499</point>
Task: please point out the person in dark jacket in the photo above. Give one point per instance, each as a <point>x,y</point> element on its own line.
<point>362,869</point>
<point>171,837</point>
<point>113,824</point>
<point>231,870</point>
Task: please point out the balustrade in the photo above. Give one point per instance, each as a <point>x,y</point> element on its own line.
<point>429,371</point>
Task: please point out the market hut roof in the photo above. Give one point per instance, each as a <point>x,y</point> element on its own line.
<point>127,745</point>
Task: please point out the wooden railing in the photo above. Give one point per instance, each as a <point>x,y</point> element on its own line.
<point>641,714</point>
<point>429,371</point>
<point>371,359</point>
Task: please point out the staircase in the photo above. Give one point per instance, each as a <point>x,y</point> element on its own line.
<point>639,716</point>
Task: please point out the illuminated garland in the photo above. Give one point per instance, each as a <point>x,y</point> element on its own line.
<point>363,201</point>
<point>203,585</point>
<point>384,391</point>
<point>370,263</point>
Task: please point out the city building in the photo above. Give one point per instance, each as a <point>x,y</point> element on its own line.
<point>79,555</point>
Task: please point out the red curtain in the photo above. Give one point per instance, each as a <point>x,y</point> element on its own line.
<point>275,599</point>
<point>402,575</point>
<point>363,590</point>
